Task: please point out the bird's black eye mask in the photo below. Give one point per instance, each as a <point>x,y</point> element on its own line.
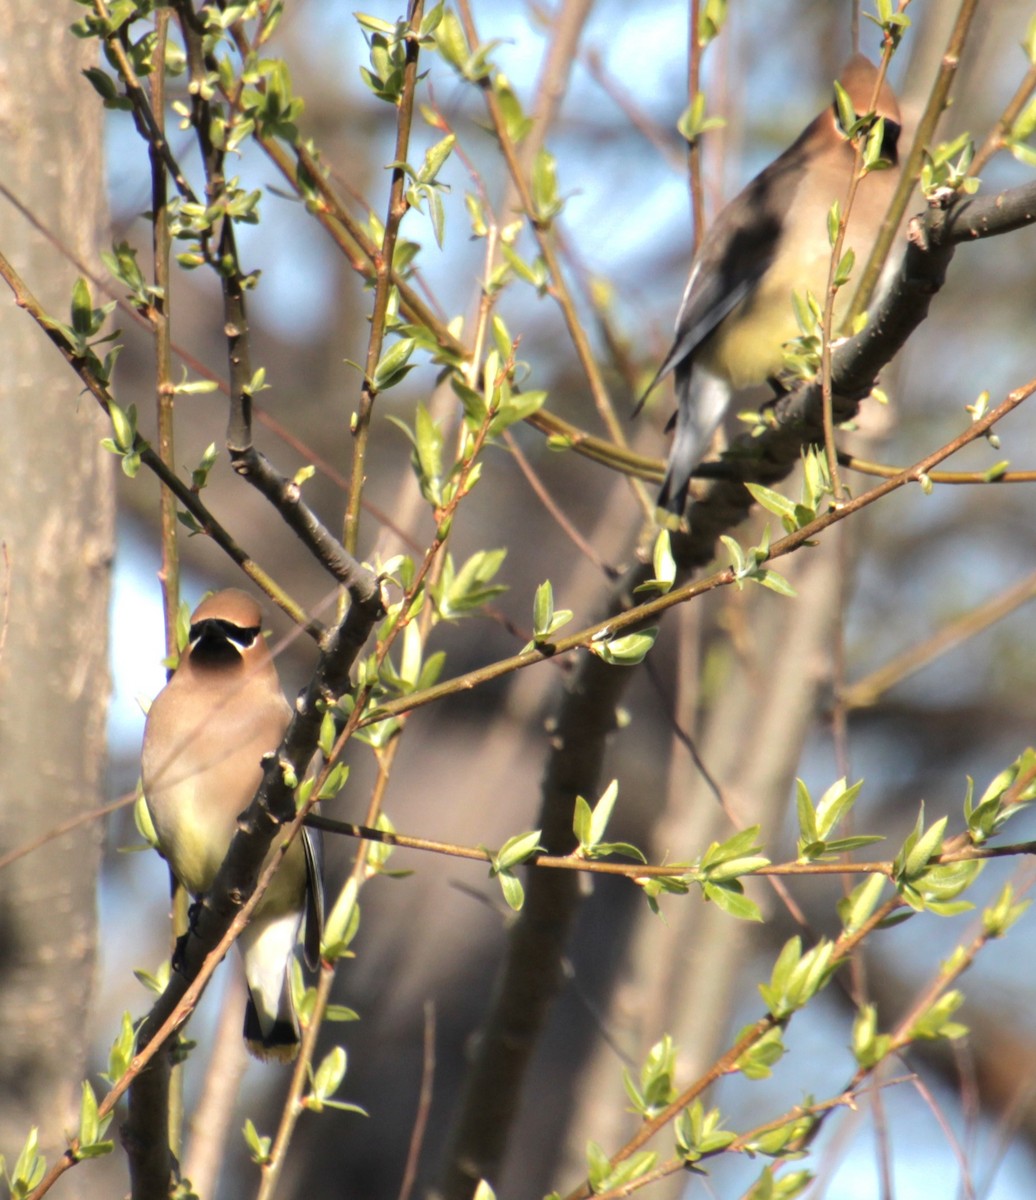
<point>889,136</point>
<point>227,631</point>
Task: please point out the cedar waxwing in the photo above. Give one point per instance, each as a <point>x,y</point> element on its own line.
<point>205,737</point>
<point>770,241</point>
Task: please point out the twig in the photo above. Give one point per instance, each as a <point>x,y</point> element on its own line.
<point>694,164</point>
<point>866,691</point>
<point>397,209</point>
<point>964,852</point>
<point>556,513</point>
<point>911,170</point>
<point>424,1104</point>
<point>559,288</point>
<point>57,831</point>
<point>282,493</point>
<point>831,291</point>
<point>161,239</point>
<point>997,138</point>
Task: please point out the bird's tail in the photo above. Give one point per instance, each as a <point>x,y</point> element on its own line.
<point>268,948</point>
<point>700,407</point>
<point>278,1042</point>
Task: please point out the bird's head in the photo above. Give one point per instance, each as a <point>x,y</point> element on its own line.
<point>858,80</point>
<point>226,631</point>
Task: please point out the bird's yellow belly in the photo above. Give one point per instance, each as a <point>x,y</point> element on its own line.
<point>746,348</point>
<point>195,841</point>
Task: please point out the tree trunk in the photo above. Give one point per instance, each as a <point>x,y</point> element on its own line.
<point>56,526</point>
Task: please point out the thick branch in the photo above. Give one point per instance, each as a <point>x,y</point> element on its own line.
<point>530,975</point>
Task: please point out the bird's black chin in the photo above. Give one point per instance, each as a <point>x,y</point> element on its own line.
<point>218,643</point>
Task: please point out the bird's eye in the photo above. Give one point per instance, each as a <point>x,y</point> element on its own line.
<point>244,635</point>
<point>890,140</point>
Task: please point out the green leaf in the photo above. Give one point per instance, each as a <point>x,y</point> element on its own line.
<point>328,733</point>
<point>546,202</point>
<point>121,1054</point>
<point>834,220</point>
<point>756,1062</point>
<point>1002,914</point>
<point>603,810</point>
<point>459,593</point>
<point>772,501</point>
<point>797,977</point>
<point>542,610</point>
<point>427,441</point>
<point>514,893</point>
<point>732,900</point>
<point>393,365</point>
<point>775,582</point>
<point>846,112</point>
<point>698,1133</point>
<point>664,565</point>
<point>531,274</point>
<point>741,846</point>
<point>845,268</point>
<point>581,823</point>
<point>342,923</point>
<point>693,122</point>
<point>435,158</point>
<point>835,804</point>
<point>29,1167</point>
<point>516,123</point>
<point>335,782</point>
<point>451,42</point>
<point>92,1126</point>
<point>711,19</point>
<point>259,1147</point>
<point>936,1021</point>
<point>82,308</point>
<point>868,1046</point>
<point>926,846</point>
<point>784,1141</point>
<point>124,425</point>
<point>326,1079</point>
<point>517,849</point>
<point>626,650</point>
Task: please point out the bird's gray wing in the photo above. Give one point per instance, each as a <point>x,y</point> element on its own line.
<point>733,259</point>
<point>312,844</point>
<point>736,253</point>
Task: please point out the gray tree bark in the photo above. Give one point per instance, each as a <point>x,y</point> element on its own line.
<point>56,530</point>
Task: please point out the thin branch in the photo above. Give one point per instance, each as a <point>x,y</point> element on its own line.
<point>146,319</point>
<point>282,493</point>
<point>694,163</point>
<point>638,871</point>
<point>84,367</point>
<point>911,171</point>
<point>424,1104</point>
<point>631,618</point>
<point>557,515</point>
<point>832,289</point>
<point>884,471</point>
<point>56,831</point>
<point>397,209</point>
<point>558,287</point>
<point>997,138</point>
<point>866,691</point>
<point>161,240</point>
